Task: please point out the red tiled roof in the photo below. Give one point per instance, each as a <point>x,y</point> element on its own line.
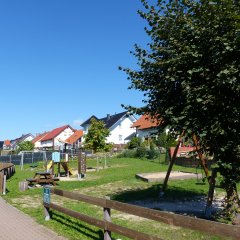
<point>146,121</point>
<point>73,138</point>
<point>7,142</point>
<point>52,134</point>
<point>181,150</point>
<point>39,137</point>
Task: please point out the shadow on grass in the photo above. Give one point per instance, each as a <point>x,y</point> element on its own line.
<point>75,225</point>
<point>153,192</point>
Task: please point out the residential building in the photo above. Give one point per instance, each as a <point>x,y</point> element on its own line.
<point>146,127</point>
<point>55,139</point>
<point>75,140</point>
<point>119,125</point>
<point>23,138</point>
<point>37,140</point>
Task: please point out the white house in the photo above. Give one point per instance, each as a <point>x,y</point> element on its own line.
<point>119,125</point>
<point>55,139</point>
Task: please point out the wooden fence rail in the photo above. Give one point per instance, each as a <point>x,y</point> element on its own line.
<point>6,171</point>
<point>205,226</point>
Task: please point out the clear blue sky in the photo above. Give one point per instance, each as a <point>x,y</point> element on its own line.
<point>59,61</point>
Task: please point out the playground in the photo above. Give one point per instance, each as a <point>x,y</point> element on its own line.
<point>118,182</point>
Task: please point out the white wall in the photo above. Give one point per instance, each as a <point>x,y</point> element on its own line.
<point>48,143</point>
<point>120,131</point>
<point>62,136</point>
<point>57,140</point>
<point>145,133</point>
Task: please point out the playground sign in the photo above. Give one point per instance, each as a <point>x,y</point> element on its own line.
<point>46,195</point>
<point>56,157</point>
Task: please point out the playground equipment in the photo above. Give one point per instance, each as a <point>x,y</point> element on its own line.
<point>203,161</point>
<point>60,164</point>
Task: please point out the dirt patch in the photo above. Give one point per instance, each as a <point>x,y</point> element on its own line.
<point>107,189</point>
<point>28,201</point>
<point>194,207</point>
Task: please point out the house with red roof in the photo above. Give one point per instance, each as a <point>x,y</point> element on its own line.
<point>75,140</point>
<point>146,127</point>
<point>56,139</point>
<point>7,145</point>
<point>37,140</point>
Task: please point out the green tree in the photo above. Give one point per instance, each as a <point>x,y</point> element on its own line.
<point>190,75</point>
<point>95,139</point>
<point>25,146</point>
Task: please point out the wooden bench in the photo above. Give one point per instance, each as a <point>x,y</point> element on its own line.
<point>43,178</point>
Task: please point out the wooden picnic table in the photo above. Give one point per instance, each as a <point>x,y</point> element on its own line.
<point>43,178</point>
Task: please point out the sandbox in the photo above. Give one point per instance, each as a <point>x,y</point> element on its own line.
<point>159,176</point>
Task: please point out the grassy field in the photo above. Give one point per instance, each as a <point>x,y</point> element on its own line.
<point>118,182</point>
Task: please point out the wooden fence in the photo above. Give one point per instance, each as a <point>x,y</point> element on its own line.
<point>6,171</point>
<point>108,227</point>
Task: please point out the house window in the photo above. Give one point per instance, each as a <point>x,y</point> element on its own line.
<point>120,137</point>
<point>120,125</point>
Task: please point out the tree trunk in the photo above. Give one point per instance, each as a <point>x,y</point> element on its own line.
<point>232,207</point>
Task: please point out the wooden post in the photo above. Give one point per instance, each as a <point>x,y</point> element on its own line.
<point>171,165</point>
<point>97,164</point>
<point>107,218</point>
<point>1,182</point>
<point>79,163</point>
<point>105,161</point>
<point>212,183</point>
<point>66,160</point>
<point>4,184</point>
<point>58,169</point>
<point>200,155</point>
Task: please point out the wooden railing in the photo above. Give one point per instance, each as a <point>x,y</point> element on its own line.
<point>205,226</point>
<point>6,171</point>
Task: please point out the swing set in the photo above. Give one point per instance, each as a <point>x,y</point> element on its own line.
<point>203,162</point>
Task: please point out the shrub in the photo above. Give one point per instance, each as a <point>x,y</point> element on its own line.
<point>152,154</point>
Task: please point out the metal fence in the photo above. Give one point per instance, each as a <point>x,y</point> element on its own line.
<point>28,158</point>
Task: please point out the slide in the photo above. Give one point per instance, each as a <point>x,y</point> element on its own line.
<point>49,166</point>
<point>66,168</point>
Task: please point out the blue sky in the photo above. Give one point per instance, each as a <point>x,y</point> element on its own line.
<point>59,61</point>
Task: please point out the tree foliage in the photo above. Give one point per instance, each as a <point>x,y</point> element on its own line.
<point>95,139</point>
<point>25,146</point>
<point>190,75</point>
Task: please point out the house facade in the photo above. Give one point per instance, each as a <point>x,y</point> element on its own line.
<point>25,137</point>
<point>119,125</point>
<point>37,140</point>
<point>55,139</point>
<point>146,127</point>
<point>75,140</point>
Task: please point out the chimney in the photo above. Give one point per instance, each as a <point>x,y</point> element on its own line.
<point>108,116</point>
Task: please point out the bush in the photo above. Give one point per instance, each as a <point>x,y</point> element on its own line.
<point>130,153</point>
<point>152,154</point>
<point>134,143</point>
<point>141,152</point>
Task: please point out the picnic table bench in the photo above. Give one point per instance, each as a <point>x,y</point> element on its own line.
<point>43,178</point>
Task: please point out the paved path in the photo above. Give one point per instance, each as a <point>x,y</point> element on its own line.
<point>15,225</point>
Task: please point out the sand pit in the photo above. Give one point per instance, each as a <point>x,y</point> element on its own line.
<point>158,177</point>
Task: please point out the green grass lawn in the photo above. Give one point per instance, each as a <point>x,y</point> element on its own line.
<point>119,183</point>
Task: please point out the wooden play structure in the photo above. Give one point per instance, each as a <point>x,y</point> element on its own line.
<point>203,161</point>
<point>60,165</point>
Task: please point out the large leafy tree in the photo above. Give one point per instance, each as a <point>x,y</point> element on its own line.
<point>95,139</point>
<point>190,74</point>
